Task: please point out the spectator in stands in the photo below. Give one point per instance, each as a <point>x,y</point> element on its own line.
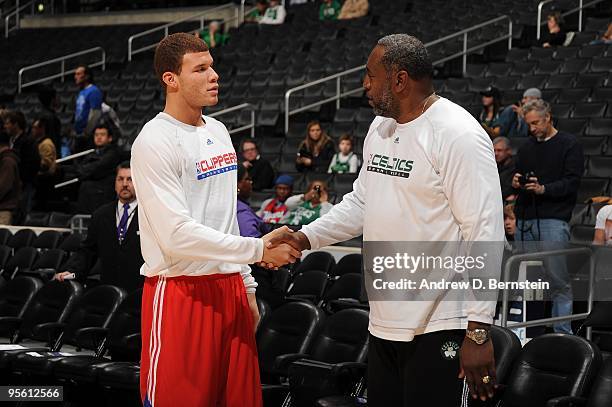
<point>48,111</point>
<point>556,34</point>
<point>88,104</point>
<point>212,35</point>
<point>112,246</point>
<point>509,222</point>
<point>491,106</point>
<point>316,150</point>
<point>275,13</point>
<point>505,166</point>
<point>345,161</point>
<point>272,210</point>
<point>511,121</point>
<point>260,169</point>
<point>329,10</point>
<point>48,174</point>
<point>603,225</point>
<point>26,149</point>
<point>606,38</point>
<point>354,9</point>
<point>257,14</point>
<point>548,171</point>
<point>46,147</point>
<point>305,208</point>
<point>96,172</point>
<point>10,182</point>
<point>249,223</point>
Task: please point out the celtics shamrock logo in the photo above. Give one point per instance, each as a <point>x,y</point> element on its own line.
<point>449,350</point>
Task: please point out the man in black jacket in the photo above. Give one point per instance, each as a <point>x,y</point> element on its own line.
<point>112,246</point>
<point>259,168</point>
<point>548,172</point>
<point>96,172</point>
<point>505,166</point>
<point>26,148</point>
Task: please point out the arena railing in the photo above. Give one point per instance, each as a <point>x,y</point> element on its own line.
<point>63,71</point>
<point>581,6</point>
<point>165,28</point>
<point>338,77</point>
<point>17,14</point>
<point>243,106</point>
<point>540,256</point>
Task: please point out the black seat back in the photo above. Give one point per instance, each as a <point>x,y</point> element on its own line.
<point>52,303</point>
<point>5,235</point>
<point>323,261</point>
<point>264,311</point>
<point>348,286</point>
<point>22,261</point>
<point>49,239</point>
<point>123,343</point>
<point>601,393</point>
<point>16,296</point>
<point>290,329</point>
<point>50,260</point>
<point>343,338</point>
<point>507,347</point>
<point>351,263</point>
<point>71,243</point>
<point>94,308</point>
<point>22,238</point>
<point>309,286</point>
<point>5,255</point>
<point>549,366</point>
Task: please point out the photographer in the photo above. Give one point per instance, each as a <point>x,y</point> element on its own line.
<point>548,171</point>
<point>305,208</point>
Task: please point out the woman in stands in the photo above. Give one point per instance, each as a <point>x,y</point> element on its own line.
<point>316,151</point>
<point>489,115</point>
<point>556,34</point>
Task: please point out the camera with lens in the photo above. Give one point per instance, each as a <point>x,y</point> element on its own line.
<point>524,179</point>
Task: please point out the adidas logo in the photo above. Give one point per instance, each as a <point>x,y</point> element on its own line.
<point>209,142</point>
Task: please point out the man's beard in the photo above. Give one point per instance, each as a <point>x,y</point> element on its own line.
<point>386,106</point>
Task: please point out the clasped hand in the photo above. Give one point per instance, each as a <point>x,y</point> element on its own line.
<point>283,246</point>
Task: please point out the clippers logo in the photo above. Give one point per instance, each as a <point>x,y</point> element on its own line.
<point>215,165</point>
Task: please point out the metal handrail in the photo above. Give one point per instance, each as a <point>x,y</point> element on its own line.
<point>63,72</point>
<point>15,13</point>
<point>579,9</point>
<point>233,109</point>
<point>200,16</point>
<point>338,76</point>
<point>539,256</point>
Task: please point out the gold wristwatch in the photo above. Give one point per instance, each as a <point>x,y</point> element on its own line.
<point>478,335</point>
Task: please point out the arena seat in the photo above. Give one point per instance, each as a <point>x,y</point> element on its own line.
<point>540,374</point>
<point>318,260</point>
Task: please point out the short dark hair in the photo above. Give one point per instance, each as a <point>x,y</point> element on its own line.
<point>16,117</point>
<point>248,140</point>
<point>170,51</point>
<point>406,53</point>
<point>125,165</point>
<point>104,126</point>
<point>346,137</point>
<point>242,171</point>
<point>88,72</point>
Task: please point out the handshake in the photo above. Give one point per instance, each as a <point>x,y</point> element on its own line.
<point>283,246</point>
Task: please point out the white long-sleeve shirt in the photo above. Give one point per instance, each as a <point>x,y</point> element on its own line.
<point>185,180</point>
<point>450,192</point>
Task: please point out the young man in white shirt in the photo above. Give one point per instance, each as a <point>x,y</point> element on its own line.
<point>603,226</point>
<point>199,311</point>
<point>429,175</point>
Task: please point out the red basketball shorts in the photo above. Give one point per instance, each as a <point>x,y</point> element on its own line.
<point>198,343</point>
